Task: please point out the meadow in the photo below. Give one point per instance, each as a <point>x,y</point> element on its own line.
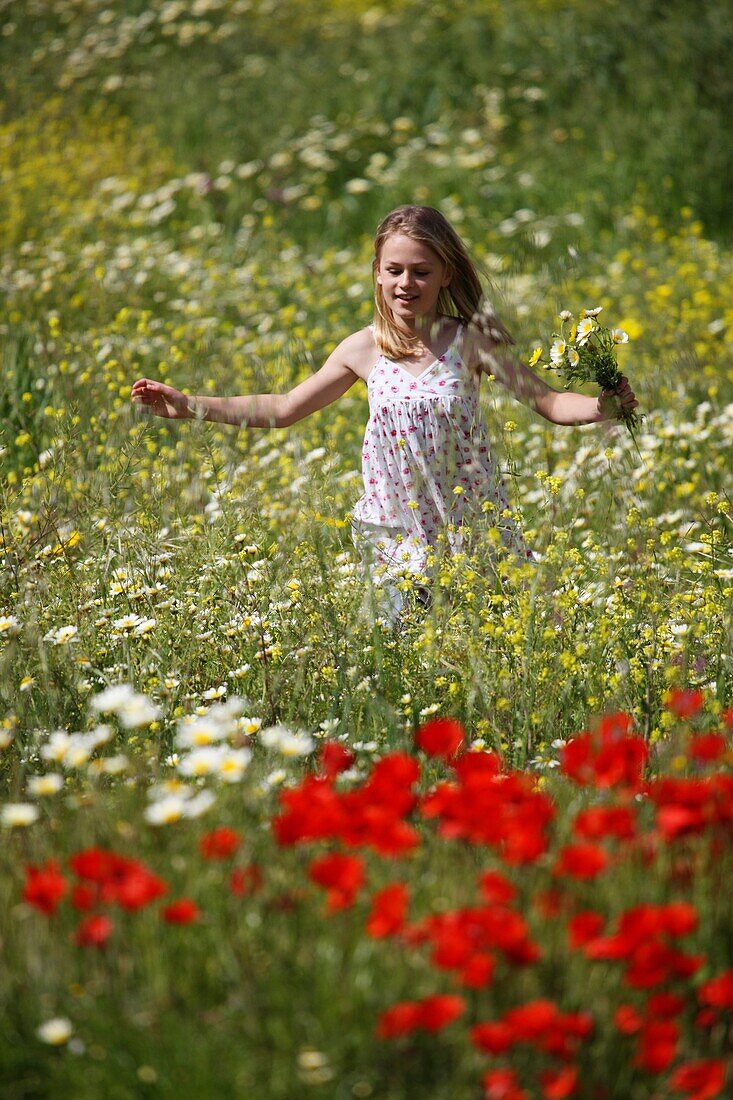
<point>257,841</point>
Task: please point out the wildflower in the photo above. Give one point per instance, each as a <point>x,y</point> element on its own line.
<point>582,861</point>
<point>496,889</point>
<point>657,1045</point>
<point>341,876</point>
<point>389,910</point>
<point>45,887</point>
<point>183,911</point>
<point>246,880</point>
<point>684,704</point>
<point>400,1019</point>
<point>438,1011</point>
<point>557,352</point>
<point>17,815</point>
<point>133,709</point>
<point>707,747</point>
<point>220,843</point>
<point>9,625</point>
<point>334,758</point>
<point>585,328</point>
<point>596,822</point>
<point>717,992</point>
<point>584,927</point>
<point>204,760</point>
<point>215,693</point>
<point>287,741</point>
<point>440,737</point>
<point>41,785</point>
<point>94,931</point>
<point>619,336</point>
<point>503,1084</point>
<point>165,810</point>
<point>62,636</point>
<point>700,1080</point>
<point>559,1083</point>
<point>611,757</point>
<point>56,1031</point>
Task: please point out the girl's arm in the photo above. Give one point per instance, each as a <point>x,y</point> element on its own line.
<point>557,406</point>
<point>262,410</point>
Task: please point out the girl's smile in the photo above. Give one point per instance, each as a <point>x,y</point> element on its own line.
<point>411,275</point>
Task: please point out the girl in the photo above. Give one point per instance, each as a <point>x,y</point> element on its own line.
<point>427,463</point>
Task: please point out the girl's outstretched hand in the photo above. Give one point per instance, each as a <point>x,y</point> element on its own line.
<point>161,400</point>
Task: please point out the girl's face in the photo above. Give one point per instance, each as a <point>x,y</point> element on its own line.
<point>411,276</point>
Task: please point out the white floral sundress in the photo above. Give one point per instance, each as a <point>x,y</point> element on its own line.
<point>427,467</point>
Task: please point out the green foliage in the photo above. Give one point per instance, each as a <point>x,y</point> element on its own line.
<point>189,193</point>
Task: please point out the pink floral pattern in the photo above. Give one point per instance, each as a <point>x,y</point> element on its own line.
<point>427,466</point>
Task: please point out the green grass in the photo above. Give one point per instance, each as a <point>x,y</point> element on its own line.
<point>583,151</point>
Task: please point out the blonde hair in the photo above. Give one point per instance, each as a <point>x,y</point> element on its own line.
<point>463,297</point>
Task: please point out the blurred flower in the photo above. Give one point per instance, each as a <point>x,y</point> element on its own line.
<point>16,815</point>
<point>41,785</point>
<point>133,709</point>
<point>56,1031</point>
<point>44,886</point>
<point>183,911</point>
<point>220,843</point>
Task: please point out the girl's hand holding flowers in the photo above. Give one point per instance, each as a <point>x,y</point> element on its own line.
<point>619,403</point>
<point>588,354</point>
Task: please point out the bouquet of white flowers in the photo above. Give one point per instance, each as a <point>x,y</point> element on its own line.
<point>587,353</point>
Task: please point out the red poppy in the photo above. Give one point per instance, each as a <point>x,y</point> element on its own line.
<point>389,910</point>
<point>657,1047</point>
<point>478,970</point>
<point>341,876</point>
<point>94,931</point>
<point>559,1083</point>
<point>441,737</point>
<point>584,927</point>
<point>220,843</point>
<point>246,880</point>
<point>627,1020</point>
<point>684,704</point>
<point>597,822</point>
<point>335,758</point>
<point>707,747</point>
<point>532,1019</point>
<point>700,1080</point>
<point>312,811</point>
<point>492,1037</point>
<point>717,992</point>
<point>496,889</point>
<point>549,903</point>
<point>581,861</point>
<point>609,757</point>
<point>502,1084</point>
<point>136,887</point>
<point>679,918</point>
<point>97,864</point>
<point>182,911</point>
<point>664,1006</point>
<point>401,1019</point>
<point>45,886</point>
<point>440,1010</point>
<point>84,896</point>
